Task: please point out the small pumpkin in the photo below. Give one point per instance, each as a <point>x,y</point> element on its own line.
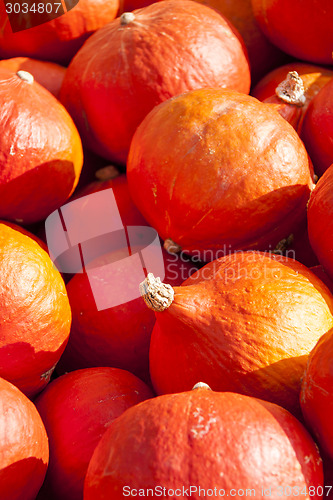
<point>57,40</point>
<point>317,129</point>
<point>143,58</point>
<point>24,450</point>
<point>205,439</point>
<point>320,220</point>
<point>244,323</point>
<point>40,149</point>
<point>76,409</point>
<point>301,28</point>
<point>214,171</point>
<point>35,315</point>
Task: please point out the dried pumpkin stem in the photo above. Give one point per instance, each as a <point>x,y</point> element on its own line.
<point>171,247</point>
<point>107,173</point>
<point>25,76</point>
<point>291,90</point>
<point>158,296</point>
<point>126,18</point>
<point>201,385</point>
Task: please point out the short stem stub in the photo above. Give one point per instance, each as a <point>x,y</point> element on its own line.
<point>107,173</point>
<point>201,385</point>
<point>171,247</point>
<point>283,245</point>
<point>158,296</point>
<point>291,89</point>
<point>126,18</point>
<point>25,76</point>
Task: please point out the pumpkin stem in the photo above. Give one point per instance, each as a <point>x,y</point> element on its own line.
<point>107,173</point>
<point>24,75</point>
<point>171,247</point>
<point>201,385</point>
<point>126,18</point>
<point>158,296</point>
<point>283,245</point>
<point>291,89</point>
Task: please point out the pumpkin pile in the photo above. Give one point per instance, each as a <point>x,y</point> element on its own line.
<point>166,249</point>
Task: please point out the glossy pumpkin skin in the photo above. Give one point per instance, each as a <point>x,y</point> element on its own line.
<point>302,28</point>
<point>205,438</point>
<point>263,55</point>
<point>320,221</point>
<point>40,148</point>
<point>24,451</point>
<point>194,155</point>
<point>57,40</point>
<point>239,324</point>
<point>76,410</point>
<point>316,393</point>
<point>35,313</point>
<point>49,75</point>
<point>317,129</point>
<point>169,47</point>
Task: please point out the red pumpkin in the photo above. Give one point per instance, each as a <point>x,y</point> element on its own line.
<point>200,155</point>
<point>317,129</point>
<point>317,394</point>
<point>263,55</point>
<point>301,28</point>
<point>320,272</point>
<point>49,75</point>
<point>24,451</point>
<point>76,410</point>
<point>204,439</point>
<point>57,40</point>
<point>151,55</point>
<point>35,315</point>
<point>320,221</point>
<point>239,323</point>
<point>40,149</point>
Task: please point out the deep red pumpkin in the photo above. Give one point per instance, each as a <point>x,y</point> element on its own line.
<point>302,28</point>
<point>76,409</point>
<point>144,58</point>
<point>35,315</point>
<point>320,220</point>
<point>215,170</point>
<point>244,323</point>
<point>57,40</point>
<point>203,438</point>
<point>24,451</point>
<point>40,149</point>
<point>316,393</point>
<point>317,129</point>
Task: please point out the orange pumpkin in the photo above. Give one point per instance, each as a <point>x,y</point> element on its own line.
<point>35,315</point>
<point>40,150</point>
<point>222,441</point>
<point>302,28</point>
<point>57,40</point>
<point>49,75</point>
<point>215,171</point>
<point>24,451</point>
<point>244,323</point>
<point>316,393</point>
<point>320,220</point>
<point>142,59</point>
